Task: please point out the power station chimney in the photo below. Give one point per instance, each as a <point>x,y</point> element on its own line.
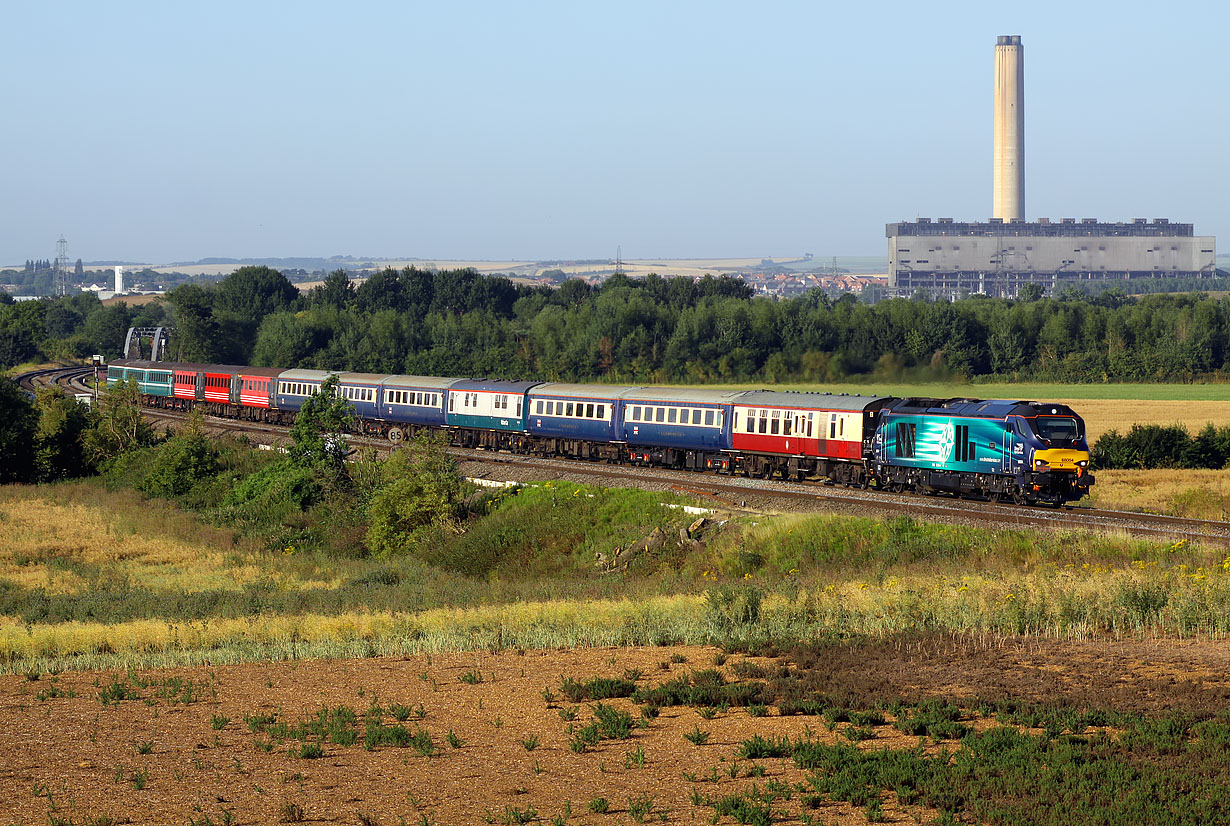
<point>119,280</point>
<point>1009,179</point>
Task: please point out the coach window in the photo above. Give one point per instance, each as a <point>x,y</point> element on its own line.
<point>660,414</point>
<point>636,414</point>
<point>787,421</point>
<point>539,408</point>
<point>833,426</point>
<point>670,416</point>
<point>776,425</point>
<point>589,411</point>
<point>709,417</point>
<point>602,412</point>
<point>568,409</point>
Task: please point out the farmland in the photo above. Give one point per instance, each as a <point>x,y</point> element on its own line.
<point>832,733</point>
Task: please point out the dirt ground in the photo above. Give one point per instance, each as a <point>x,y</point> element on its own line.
<point>77,759</point>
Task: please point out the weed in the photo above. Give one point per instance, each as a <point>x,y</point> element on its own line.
<point>757,710</point>
<point>568,714</point>
<point>867,718</point>
<point>707,712</point>
<point>548,697</point>
<point>640,806</point>
<point>145,747</point>
<point>613,724</point>
<point>308,751</point>
<point>635,758</point>
<point>599,805</point>
<point>599,688</point>
<point>697,736</point>
<point>218,722</point>
<point>472,677</point>
<point>366,819</point>
<point>116,692</point>
<point>743,808</point>
<point>858,733</point>
<point>530,743</point>
<point>140,778</point>
<point>453,740</point>
<point>513,816</point>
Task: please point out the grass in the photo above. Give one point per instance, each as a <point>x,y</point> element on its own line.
<point>782,578</point>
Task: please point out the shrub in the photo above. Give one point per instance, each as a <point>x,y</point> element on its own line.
<point>422,488</point>
<point>181,462</point>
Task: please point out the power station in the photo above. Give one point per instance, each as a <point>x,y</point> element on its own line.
<point>947,258</point>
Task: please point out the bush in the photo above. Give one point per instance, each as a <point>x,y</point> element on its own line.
<point>422,489</point>
<point>1163,446</point>
<point>181,463</point>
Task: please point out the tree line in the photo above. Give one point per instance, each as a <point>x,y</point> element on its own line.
<point>461,323</point>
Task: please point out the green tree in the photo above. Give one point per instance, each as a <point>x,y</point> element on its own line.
<point>197,336</point>
<point>336,291</point>
<point>119,425</point>
<point>422,488</point>
<point>59,442</point>
<point>319,428</point>
<point>241,302</point>
<point>18,427</point>
<point>182,461</point>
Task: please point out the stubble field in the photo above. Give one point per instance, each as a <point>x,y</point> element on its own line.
<point>544,736</point>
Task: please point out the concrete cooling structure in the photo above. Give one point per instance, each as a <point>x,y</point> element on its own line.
<point>997,257</point>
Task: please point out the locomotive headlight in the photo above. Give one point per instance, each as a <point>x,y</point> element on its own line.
<point>1083,463</point>
<point>1041,463</point>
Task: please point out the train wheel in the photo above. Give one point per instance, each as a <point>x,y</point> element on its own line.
<point>396,435</point>
<point>993,497</point>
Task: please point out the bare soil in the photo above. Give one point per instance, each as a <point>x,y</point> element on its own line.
<point>75,758</point>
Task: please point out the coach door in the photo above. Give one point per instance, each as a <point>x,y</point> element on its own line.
<point>805,431</point>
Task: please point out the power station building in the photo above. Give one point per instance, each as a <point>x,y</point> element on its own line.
<point>947,258</point>
<point>996,257</point>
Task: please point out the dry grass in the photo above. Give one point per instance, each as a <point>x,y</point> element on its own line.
<point>67,543</point>
<point>1197,494</point>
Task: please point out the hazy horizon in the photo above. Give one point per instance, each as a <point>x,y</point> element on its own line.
<point>156,133</point>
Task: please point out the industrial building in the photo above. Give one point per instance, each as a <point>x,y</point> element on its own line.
<point>948,258</point>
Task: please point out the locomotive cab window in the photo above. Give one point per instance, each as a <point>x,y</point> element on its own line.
<point>1057,428</point>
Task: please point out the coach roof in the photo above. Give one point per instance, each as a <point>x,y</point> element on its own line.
<point>807,401</point>
<point>682,395</point>
<point>582,391</point>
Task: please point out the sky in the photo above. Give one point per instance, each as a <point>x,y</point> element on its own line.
<point>157,132</point>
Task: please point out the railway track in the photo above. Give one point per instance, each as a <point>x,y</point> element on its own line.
<point>736,492</point>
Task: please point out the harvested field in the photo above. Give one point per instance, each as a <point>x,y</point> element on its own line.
<point>203,745</point>
<point>1197,494</point>
<point>1101,415</point>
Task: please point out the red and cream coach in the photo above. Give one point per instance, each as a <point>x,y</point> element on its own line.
<point>804,434</point>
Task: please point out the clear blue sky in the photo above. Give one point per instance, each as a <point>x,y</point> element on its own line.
<point>163,131</point>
